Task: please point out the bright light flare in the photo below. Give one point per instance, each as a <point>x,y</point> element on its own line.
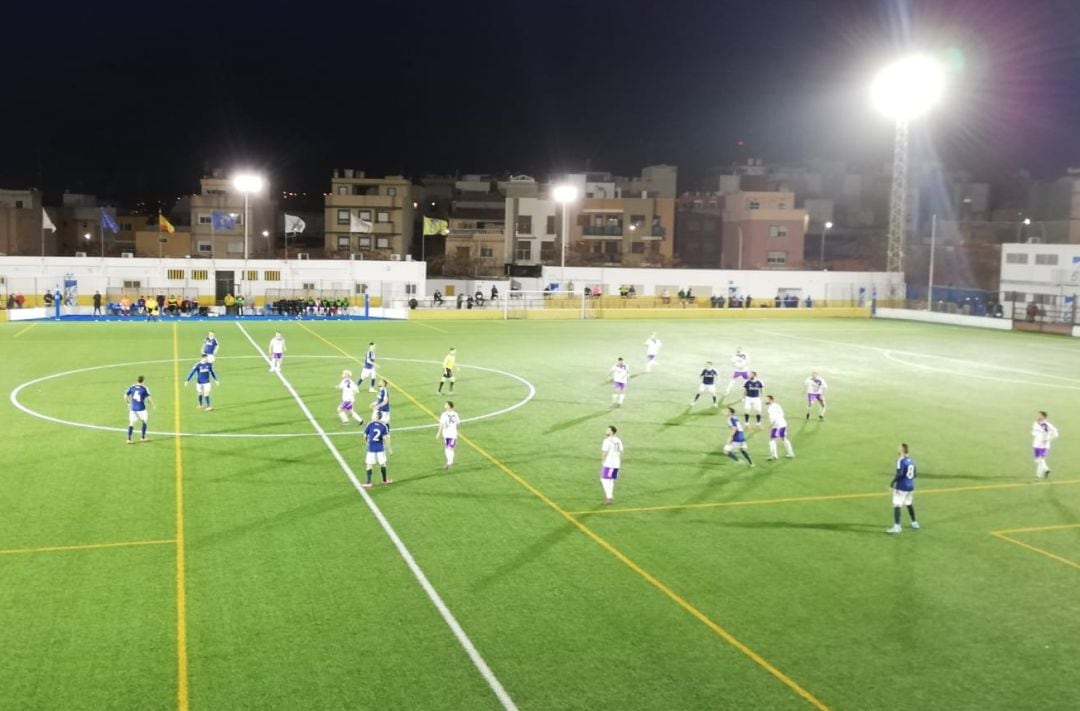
<point>908,88</point>
<point>564,193</point>
<point>248,182</point>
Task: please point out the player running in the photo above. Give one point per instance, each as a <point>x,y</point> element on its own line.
<point>210,346</point>
<point>752,399</point>
<point>448,364</point>
<point>448,424</point>
<point>740,362</point>
<point>611,459</point>
<point>377,436</point>
<point>736,438</point>
<point>652,350</point>
<point>369,368</point>
<point>1042,433</point>
<point>815,392</point>
<point>620,376</point>
<point>708,383</point>
<point>202,372</point>
<point>277,351</point>
<point>136,398</point>
<point>777,428</point>
<point>348,399</point>
<point>903,489</point>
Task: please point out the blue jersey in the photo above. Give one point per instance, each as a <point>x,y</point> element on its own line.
<point>740,434</point>
<point>209,346</point>
<point>376,433</point>
<point>138,395</point>
<point>384,400</point>
<point>905,474</point>
<point>369,359</point>
<point>708,376</point>
<point>204,371</point>
<point>753,388</point>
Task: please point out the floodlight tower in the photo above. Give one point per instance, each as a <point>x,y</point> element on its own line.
<point>902,91</point>
<point>564,194</point>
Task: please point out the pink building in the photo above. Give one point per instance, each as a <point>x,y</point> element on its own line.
<point>762,230</point>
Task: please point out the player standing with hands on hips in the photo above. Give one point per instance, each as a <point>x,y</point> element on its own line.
<point>903,489</point>
<point>448,424</point>
<point>611,459</point>
<point>277,351</point>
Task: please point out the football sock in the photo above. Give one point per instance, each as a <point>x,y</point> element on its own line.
<point>344,418</point>
<point>896,515</point>
<point>368,476</point>
<point>130,431</point>
<point>208,401</point>
<point>746,456</point>
<point>758,418</point>
<point>372,383</point>
<point>714,399</point>
<point>449,456</point>
<point>746,418</point>
<point>609,488</point>
<point>699,395</point>
<point>731,455</point>
<point>621,398</point>
<point>772,448</point>
<point>789,448</point>
<point>440,387</point>
<point>144,430</point>
<point>358,418</point>
<point>383,470</point>
<point>911,512</point>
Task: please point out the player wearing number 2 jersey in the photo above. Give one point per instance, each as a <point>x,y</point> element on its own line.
<point>377,436</point>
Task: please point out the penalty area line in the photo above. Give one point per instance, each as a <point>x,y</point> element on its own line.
<point>436,599</point>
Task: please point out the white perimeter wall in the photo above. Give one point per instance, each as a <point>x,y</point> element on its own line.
<point>1000,324</point>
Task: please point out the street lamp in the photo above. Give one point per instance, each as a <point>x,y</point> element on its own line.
<point>824,232</point>
<point>903,91</point>
<point>247,183</point>
<point>564,194</point>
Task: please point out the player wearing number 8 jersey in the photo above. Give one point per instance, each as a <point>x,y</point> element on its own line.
<point>903,489</point>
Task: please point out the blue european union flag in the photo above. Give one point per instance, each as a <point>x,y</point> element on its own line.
<point>222,220</point>
<point>109,223</point>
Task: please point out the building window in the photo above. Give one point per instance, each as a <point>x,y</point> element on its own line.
<point>778,231</point>
<point>753,205</point>
<point>343,217</point>
<point>343,190</point>
<point>361,288</point>
<point>523,250</point>
<point>1049,260</point>
<point>410,289</point>
<point>637,248</point>
<point>125,227</point>
<point>776,258</point>
<point>205,218</point>
<point>200,274</point>
<point>392,192</point>
<point>308,286</point>
<point>343,243</point>
<point>709,225</point>
<point>174,274</point>
<point>205,247</point>
<point>236,247</point>
<point>551,224</point>
<point>271,276</point>
<point>364,214</point>
<point>637,221</point>
<point>364,242</point>
<point>133,284</point>
<point>486,253</point>
<point>382,243</point>
<point>694,225</point>
<point>547,251</point>
<point>781,205</point>
<point>18,204</point>
<point>1013,296</point>
<point>524,224</point>
<point>1016,258</point>
<point>382,216</point>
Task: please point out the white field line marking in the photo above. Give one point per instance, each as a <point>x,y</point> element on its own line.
<point>889,352</point>
<point>243,435</point>
<point>433,595</point>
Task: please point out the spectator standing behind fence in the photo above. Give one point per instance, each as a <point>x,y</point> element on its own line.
<point>97,303</point>
<point>240,301</point>
<point>494,293</point>
<point>20,299</point>
<point>230,304</point>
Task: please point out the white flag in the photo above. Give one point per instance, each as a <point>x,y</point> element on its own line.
<point>358,225</point>
<point>293,224</point>
<point>46,223</point>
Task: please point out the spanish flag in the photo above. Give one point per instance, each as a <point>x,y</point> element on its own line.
<point>436,227</point>
<point>164,225</point>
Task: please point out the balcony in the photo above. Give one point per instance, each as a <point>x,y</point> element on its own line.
<point>648,234</point>
<point>609,230</point>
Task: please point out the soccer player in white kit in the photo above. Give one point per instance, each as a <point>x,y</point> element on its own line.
<point>652,350</point>
<point>740,363</point>
<point>348,399</point>
<point>448,424</point>
<point>620,376</point>
<point>277,351</point>
<point>777,427</point>
<point>611,459</point>
<point>1042,432</point>
<point>815,392</point>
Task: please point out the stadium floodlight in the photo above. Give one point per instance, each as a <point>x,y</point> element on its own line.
<point>564,195</point>
<point>825,231</point>
<point>247,183</point>
<point>904,90</point>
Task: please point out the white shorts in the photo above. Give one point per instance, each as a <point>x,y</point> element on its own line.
<point>732,446</point>
<point>703,388</point>
<point>902,498</point>
<point>375,458</point>
<point>202,388</point>
<point>752,403</point>
<point>367,373</point>
<point>384,417</point>
<point>136,415</point>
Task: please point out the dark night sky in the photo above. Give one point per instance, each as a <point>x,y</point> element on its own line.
<point>134,100</point>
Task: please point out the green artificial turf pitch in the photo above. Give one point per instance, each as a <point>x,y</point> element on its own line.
<point>727,588</point>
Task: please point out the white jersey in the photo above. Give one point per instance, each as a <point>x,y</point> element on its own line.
<point>620,373</point>
<point>740,361</point>
<point>776,415</point>
<point>348,390</point>
<point>652,347</point>
<point>1042,433</point>
<point>448,422</point>
<point>612,449</point>
<point>277,344</point>
<point>815,386</point>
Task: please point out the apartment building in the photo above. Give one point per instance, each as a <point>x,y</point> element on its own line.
<point>762,230</point>
<point>224,237</point>
<point>476,243</point>
<point>20,224</point>
<point>371,217</point>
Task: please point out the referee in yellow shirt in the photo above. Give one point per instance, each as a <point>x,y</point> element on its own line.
<point>448,370</point>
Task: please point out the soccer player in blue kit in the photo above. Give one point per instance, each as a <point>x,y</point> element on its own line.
<point>202,372</point>
<point>377,436</point>
<point>903,489</point>
<point>708,383</point>
<point>136,398</point>
<point>210,346</point>
<point>736,438</point>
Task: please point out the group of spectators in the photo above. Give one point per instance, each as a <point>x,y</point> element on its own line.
<point>17,300</point>
<point>462,301</point>
<point>150,307</point>
<point>310,307</point>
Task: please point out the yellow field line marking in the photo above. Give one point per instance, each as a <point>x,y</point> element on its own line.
<point>181,586</point>
<point>85,547</point>
<point>1039,528</point>
<point>428,325</point>
<point>24,330</point>
<point>1035,549</point>
<point>615,552</point>
<point>824,497</point>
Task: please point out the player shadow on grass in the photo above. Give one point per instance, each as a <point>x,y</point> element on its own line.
<point>531,555</point>
<point>870,528</point>
<point>283,521</point>
<point>567,424</point>
<point>682,417</point>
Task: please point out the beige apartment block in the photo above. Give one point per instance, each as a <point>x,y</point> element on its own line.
<point>369,217</point>
<point>218,194</point>
<point>763,230</point>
